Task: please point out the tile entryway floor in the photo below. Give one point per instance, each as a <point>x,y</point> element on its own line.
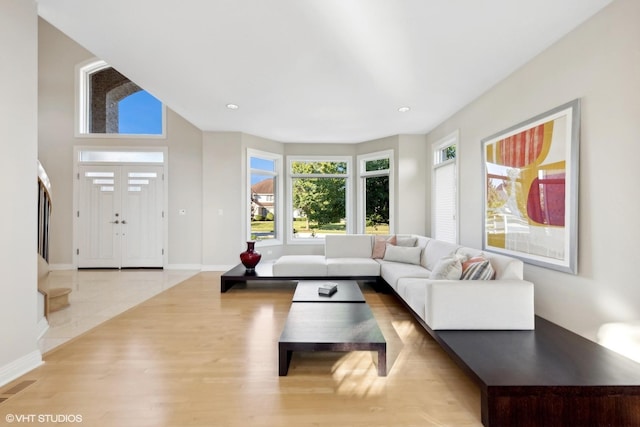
<point>99,295</point>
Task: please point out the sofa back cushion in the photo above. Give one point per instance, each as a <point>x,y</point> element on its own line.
<point>422,242</point>
<point>348,245</point>
<point>437,249</point>
<point>506,267</point>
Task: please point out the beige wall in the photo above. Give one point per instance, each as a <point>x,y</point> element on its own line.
<point>18,171</point>
<point>58,57</point>
<point>413,177</point>
<point>600,63</point>
<point>224,182</point>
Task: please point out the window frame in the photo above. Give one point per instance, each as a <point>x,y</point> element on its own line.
<point>278,203</point>
<point>83,74</point>
<point>363,174</point>
<point>438,161</point>
<point>348,176</point>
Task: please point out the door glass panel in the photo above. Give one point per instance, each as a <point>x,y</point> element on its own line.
<point>99,174</point>
<point>122,156</point>
<point>142,175</point>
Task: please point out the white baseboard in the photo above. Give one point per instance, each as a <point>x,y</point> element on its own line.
<point>61,267</point>
<point>43,327</point>
<point>20,367</point>
<point>217,267</point>
<point>196,267</point>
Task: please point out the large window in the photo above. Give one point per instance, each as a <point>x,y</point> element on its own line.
<point>111,104</point>
<point>319,197</point>
<point>375,193</point>
<point>445,189</point>
<point>264,181</point>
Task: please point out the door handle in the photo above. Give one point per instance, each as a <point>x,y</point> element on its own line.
<point>124,222</point>
<point>116,222</point>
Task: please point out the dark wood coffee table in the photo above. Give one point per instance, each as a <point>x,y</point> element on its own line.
<point>340,326</point>
<point>348,291</point>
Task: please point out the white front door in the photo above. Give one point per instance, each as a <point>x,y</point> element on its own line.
<point>120,216</point>
<point>141,224</point>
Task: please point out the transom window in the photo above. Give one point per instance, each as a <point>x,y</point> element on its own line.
<point>111,104</point>
<point>319,197</point>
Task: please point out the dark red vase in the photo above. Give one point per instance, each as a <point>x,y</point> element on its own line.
<point>250,258</point>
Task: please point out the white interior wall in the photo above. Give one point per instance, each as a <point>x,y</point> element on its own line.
<point>57,59</point>
<point>222,192</point>
<point>598,62</point>
<point>413,177</point>
<point>18,172</point>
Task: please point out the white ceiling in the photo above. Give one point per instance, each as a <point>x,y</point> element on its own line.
<point>317,70</point>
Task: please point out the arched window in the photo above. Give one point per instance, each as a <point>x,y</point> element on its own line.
<point>112,104</point>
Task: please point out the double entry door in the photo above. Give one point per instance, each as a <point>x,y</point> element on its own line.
<point>120,216</point>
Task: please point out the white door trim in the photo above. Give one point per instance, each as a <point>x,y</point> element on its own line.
<point>124,149</point>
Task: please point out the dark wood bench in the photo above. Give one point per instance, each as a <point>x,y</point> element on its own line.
<point>547,377</point>
<point>263,272</point>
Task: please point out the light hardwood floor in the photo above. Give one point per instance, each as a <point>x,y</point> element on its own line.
<point>191,356</point>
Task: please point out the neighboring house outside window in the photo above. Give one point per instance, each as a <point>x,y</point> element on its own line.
<point>264,174</point>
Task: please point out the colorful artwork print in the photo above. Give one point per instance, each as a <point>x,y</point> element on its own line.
<point>528,185</point>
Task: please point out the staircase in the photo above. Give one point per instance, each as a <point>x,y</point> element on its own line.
<point>54,298</point>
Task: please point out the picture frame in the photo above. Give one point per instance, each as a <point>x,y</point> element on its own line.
<point>530,195</point>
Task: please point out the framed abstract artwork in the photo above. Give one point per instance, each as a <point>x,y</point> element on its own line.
<point>530,184</point>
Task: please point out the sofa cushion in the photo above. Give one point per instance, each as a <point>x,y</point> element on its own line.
<point>352,267</point>
<point>407,255</point>
<point>437,249</point>
<point>408,241</point>
<point>392,271</point>
<point>506,267</point>
<point>413,292</point>
<point>422,243</point>
<point>477,268</point>
<point>448,268</point>
<point>300,265</point>
<point>348,245</point>
<point>380,245</point>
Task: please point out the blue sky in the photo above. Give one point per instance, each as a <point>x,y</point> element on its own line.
<point>261,164</point>
<point>140,113</point>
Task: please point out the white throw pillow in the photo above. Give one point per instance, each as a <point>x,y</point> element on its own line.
<point>407,255</point>
<point>447,268</point>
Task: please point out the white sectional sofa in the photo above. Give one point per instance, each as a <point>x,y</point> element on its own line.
<point>423,273</point>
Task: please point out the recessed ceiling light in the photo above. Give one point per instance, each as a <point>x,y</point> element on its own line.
<point>232,106</point>
<point>404,109</point>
